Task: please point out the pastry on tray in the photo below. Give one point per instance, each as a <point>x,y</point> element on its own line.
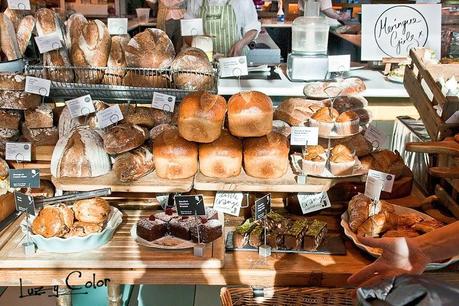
<point>342,161</point>
<point>314,160</point>
<point>241,234</point>
<point>324,119</point>
<point>347,123</point>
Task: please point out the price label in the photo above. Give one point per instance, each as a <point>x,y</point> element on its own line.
<point>190,205</point>
<point>117,26</point>
<point>373,188</point>
<point>454,118</point>
<point>339,63</point>
<point>375,136</point>
<point>37,86</point>
<point>24,203</point>
<point>310,202</point>
<point>18,151</point>
<point>228,202</point>
<point>19,4</point>
<point>48,43</point>
<point>80,106</point>
<point>191,27</point>
<point>233,66</point>
<point>262,207</point>
<point>163,102</point>
<point>109,116</point>
<point>387,178</point>
<point>302,136</point>
<point>24,178</point>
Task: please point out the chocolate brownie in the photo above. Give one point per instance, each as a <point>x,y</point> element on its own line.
<point>314,236</point>
<point>256,236</point>
<point>275,239</point>
<point>151,228</point>
<point>180,227</point>
<point>241,234</point>
<point>276,221</point>
<point>209,231</point>
<point>293,236</point>
<point>167,215</point>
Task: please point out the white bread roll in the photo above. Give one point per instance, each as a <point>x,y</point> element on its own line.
<point>221,158</point>
<point>266,157</point>
<point>250,114</point>
<point>201,117</point>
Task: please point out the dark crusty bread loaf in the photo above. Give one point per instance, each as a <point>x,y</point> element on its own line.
<point>132,165</point>
<point>124,137</point>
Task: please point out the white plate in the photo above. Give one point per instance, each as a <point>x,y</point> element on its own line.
<point>166,242</point>
<point>377,252</point>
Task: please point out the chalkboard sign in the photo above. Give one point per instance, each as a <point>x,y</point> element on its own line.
<point>392,30</point>
<point>24,203</point>
<point>262,207</point>
<point>24,178</point>
<point>190,205</point>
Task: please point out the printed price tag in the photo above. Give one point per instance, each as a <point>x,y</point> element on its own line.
<point>24,178</point>
<point>262,207</point>
<point>18,151</point>
<point>48,43</point>
<point>117,26</point>
<point>24,203</point>
<point>37,86</point>
<point>339,63</point>
<point>190,205</point>
<point>163,102</point>
<point>310,202</point>
<point>373,188</point>
<point>192,27</point>
<point>109,116</point>
<point>228,202</point>
<point>387,178</point>
<point>302,136</point>
<point>19,4</point>
<point>454,118</point>
<point>80,106</point>
<point>233,66</point>
<point>375,136</point>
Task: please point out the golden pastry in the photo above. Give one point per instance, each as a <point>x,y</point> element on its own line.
<point>49,222</point>
<point>347,116</point>
<point>94,210</point>
<point>326,114</point>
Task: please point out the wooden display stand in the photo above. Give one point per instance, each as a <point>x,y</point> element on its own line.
<point>41,159</point>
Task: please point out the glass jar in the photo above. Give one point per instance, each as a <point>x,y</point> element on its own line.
<point>310,35</point>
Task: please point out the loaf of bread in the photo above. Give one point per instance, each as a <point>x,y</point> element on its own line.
<point>18,100</point>
<point>384,161</point>
<point>145,116</point>
<point>12,81</point>
<point>221,158</point>
<point>266,157</point>
<point>175,157</point>
<point>91,50</point>
<point>67,123</point>
<point>8,41</point>
<point>7,205</point>
<point>10,119</point>
<point>74,26</point>
<point>141,78</point>
<point>159,129</point>
<point>117,60</point>
<point>201,117</point>
<point>15,16</point>
<point>250,114</point>
<point>42,136</point>
<point>124,137</point>
<point>131,166</point>
<point>41,117</point>
<point>48,22</point>
<point>192,59</point>
<point>80,154</point>
<point>4,170</point>
<point>46,190</point>
<point>296,111</point>
<point>8,134</point>
<point>24,33</point>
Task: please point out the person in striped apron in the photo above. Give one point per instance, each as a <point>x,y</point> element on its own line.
<point>232,24</point>
<point>326,8</point>
<point>169,14</point>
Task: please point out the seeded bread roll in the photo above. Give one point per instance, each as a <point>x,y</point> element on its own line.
<point>12,81</point>
<point>42,136</point>
<point>18,100</point>
<point>145,116</point>
<point>124,137</point>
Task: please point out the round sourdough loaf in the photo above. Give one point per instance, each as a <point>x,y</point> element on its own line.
<point>193,59</point>
<point>124,137</point>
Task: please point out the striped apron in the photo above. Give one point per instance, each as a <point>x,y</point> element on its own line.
<point>220,23</point>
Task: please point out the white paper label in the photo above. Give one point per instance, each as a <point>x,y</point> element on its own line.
<point>373,188</point>
<point>109,116</point>
<point>228,202</point>
<point>339,63</point>
<point>454,118</point>
<point>310,202</point>
<point>233,66</point>
<point>18,151</point>
<point>19,4</point>
<point>81,106</point>
<point>163,102</point>
<point>117,26</point>
<point>48,43</point>
<point>37,86</point>
<point>302,136</point>
<point>192,27</point>
<point>387,178</point>
<point>375,136</point>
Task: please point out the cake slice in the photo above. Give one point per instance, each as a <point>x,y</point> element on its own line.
<point>314,236</point>
<point>276,221</point>
<point>209,230</point>
<point>167,215</point>
<point>275,239</point>
<point>293,236</point>
<point>241,234</point>
<point>151,228</point>
<point>256,236</point>
<point>180,227</point>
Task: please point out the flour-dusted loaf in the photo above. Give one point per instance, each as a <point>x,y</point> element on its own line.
<point>73,27</point>
<point>91,50</point>
<point>24,33</point>
<point>67,123</point>
<point>145,116</point>
<point>41,117</point>
<point>8,41</point>
<point>12,81</point>
<point>124,137</point>
<point>132,165</point>
<point>175,157</point>
<point>250,114</point>
<point>8,134</point>
<point>201,117</point>
<point>80,154</point>
<point>297,111</point>
<point>116,60</point>
<point>41,136</point>
<point>221,158</point>
<point>266,157</point>
<point>10,119</point>
<point>14,99</point>
<point>193,59</point>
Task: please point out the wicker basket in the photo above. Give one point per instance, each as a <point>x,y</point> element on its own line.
<point>285,296</point>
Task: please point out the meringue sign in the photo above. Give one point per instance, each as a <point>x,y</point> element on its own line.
<point>392,30</point>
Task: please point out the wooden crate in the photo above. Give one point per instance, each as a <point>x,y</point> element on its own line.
<point>421,84</point>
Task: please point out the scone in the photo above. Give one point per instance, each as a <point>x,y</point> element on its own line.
<point>53,221</point>
<point>92,210</point>
<point>347,123</point>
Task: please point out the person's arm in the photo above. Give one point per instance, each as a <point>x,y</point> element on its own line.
<point>248,24</point>
<point>407,255</point>
<point>326,8</point>
<point>236,49</point>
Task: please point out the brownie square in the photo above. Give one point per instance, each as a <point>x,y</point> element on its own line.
<point>180,227</point>
<point>274,239</point>
<point>167,215</point>
<point>315,235</point>
<point>151,228</point>
<point>241,234</point>
<point>293,236</point>
<point>276,221</point>
<point>208,231</point>
<point>256,236</point>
